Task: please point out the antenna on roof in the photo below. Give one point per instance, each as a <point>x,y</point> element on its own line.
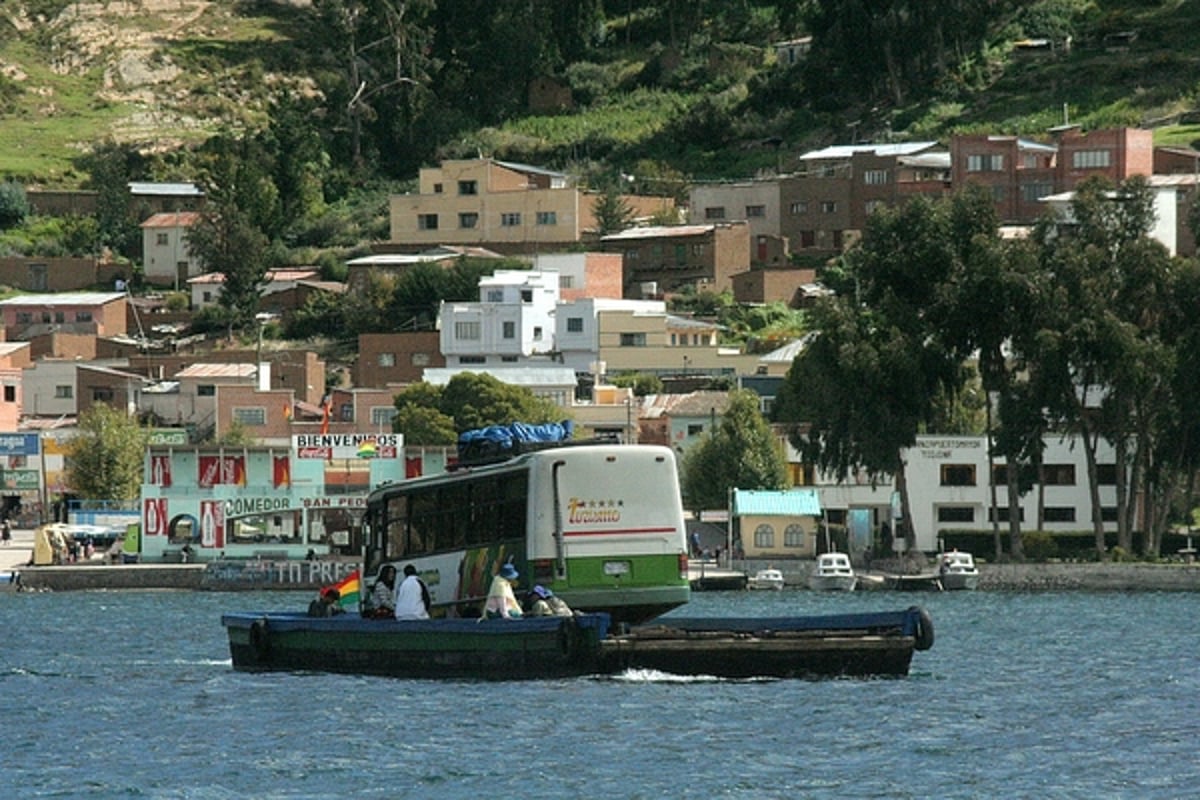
<point>143,342</point>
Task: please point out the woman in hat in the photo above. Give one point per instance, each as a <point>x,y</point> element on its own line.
<point>501,600</point>
<point>547,604</point>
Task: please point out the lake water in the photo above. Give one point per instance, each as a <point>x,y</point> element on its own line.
<point>131,694</point>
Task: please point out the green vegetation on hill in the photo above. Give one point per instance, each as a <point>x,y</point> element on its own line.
<point>668,91</point>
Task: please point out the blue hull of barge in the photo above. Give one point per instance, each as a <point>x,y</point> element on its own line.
<point>849,645</point>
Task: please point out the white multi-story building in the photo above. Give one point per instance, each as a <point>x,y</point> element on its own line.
<point>512,323</point>
<point>949,489</point>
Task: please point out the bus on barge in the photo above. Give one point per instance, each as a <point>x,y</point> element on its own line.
<point>600,524</point>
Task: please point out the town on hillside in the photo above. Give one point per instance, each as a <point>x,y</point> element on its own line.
<point>588,306</point>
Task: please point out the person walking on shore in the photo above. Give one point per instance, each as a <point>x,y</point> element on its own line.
<point>5,533</point>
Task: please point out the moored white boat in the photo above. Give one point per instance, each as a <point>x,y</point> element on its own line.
<point>958,571</point>
<point>832,572</point>
<point>766,579</point>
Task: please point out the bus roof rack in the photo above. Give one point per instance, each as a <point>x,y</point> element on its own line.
<point>499,443</point>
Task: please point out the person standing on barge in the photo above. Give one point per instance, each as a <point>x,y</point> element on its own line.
<point>501,600</point>
<point>412,596</point>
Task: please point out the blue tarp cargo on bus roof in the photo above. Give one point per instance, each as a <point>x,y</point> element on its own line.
<point>504,440</point>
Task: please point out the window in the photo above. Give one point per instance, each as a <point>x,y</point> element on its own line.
<point>764,536</point>
<point>537,333</point>
<point>574,324</point>
<point>495,295</point>
<point>510,330</point>
<point>510,219</point>
<point>64,391</point>
<point>420,359</point>
<point>509,359</point>
<point>250,416</point>
<point>800,207</point>
<point>437,188</point>
<point>161,239</point>
<point>698,249</point>
<point>1106,474</point>
<point>24,317</point>
<point>382,416</point>
<point>83,316</point>
<point>828,206</point>
<point>695,429</point>
<point>427,222</point>
<point>1108,513</point>
<point>985,162</point>
<point>1001,514</point>
<point>547,218</point>
<point>527,295</point>
<point>101,394</point>
<point>468,187</point>
<point>632,255</point>
<point>871,206</point>
<point>206,390</point>
<point>793,536</point>
<point>1090,159</point>
<point>467,331</point>
<point>958,475</point>
<point>755,211</point>
<point>60,317</point>
<point>999,193</point>
<point>472,359</point>
<point>566,281</point>
<point>1058,474</point>
<point>875,177</point>
<point>714,212</point>
<point>808,238</point>
<point>1060,514</point>
<point>955,514</point>
<point>1033,192</point>
<point>633,340</point>
<point>387,359</point>
<point>468,219</point>
<point>347,412</point>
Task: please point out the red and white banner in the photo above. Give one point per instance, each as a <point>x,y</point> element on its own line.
<point>212,523</point>
<point>222,470</point>
<point>154,516</point>
<point>160,470</point>
<point>282,471</point>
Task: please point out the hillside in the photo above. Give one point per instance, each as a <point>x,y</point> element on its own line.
<point>166,74</point>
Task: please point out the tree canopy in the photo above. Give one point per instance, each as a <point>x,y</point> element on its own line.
<point>433,415</point>
<point>105,459</point>
<point>741,453</point>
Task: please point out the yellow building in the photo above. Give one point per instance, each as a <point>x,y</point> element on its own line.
<point>510,208</point>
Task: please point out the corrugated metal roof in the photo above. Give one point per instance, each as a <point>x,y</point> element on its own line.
<point>172,219</point>
<point>516,376</point>
<point>883,150</point>
<point>165,189</point>
<point>218,371</point>
<point>64,299</point>
<point>791,503</point>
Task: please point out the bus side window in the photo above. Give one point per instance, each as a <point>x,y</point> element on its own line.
<point>397,521</point>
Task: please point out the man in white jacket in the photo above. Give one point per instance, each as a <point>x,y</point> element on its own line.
<point>412,596</point>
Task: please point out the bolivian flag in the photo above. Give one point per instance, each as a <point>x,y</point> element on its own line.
<point>348,591</point>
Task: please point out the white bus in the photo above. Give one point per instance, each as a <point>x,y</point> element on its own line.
<point>601,525</point>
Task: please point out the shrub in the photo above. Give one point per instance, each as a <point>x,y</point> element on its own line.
<point>1039,546</point>
<point>14,205</point>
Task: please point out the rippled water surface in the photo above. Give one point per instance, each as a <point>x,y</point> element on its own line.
<point>131,694</point>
